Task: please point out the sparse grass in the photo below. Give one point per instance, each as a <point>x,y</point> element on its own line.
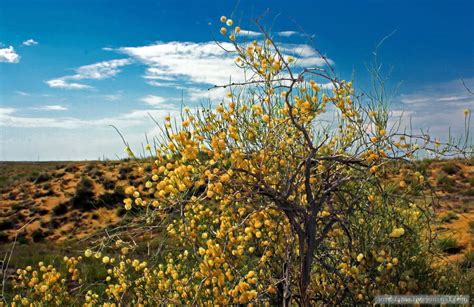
<point>17,207</point>
<point>423,165</point>
<point>450,168</point>
<point>446,183</point>
<point>469,192</point>
<point>468,262</point>
<point>10,172</point>
<point>448,245</point>
<point>449,217</point>
<point>471,226</point>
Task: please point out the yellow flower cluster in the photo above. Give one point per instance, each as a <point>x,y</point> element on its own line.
<point>45,284</point>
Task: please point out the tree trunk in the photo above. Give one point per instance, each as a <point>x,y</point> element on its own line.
<point>306,248</point>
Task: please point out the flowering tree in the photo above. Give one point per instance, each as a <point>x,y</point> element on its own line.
<point>278,194</point>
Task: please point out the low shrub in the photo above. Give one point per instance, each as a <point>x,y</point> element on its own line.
<point>449,217</point>
<point>449,245</point>
<point>445,183</point>
<point>84,197</point>
<point>450,168</point>
<point>60,209</point>
<point>3,237</point>
<point>38,235</point>
<point>43,177</point>
<point>6,224</point>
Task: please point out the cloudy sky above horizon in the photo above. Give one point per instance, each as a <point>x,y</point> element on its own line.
<point>70,69</point>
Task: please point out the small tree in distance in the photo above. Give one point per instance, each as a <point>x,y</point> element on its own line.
<point>281,194</point>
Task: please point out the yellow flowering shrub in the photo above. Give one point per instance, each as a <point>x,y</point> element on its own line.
<point>277,194</point>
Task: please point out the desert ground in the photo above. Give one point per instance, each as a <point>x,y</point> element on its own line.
<point>55,202</point>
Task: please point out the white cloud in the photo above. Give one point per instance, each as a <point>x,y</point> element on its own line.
<point>153,100</point>
<point>22,93</point>
<point>215,94</point>
<point>312,61</point>
<point>326,86</point>
<point>301,50</point>
<point>186,61</point>
<point>452,98</point>
<point>158,102</point>
<point>202,63</point>
<point>249,33</point>
<point>8,118</point>
<point>113,97</point>
<point>413,99</point>
<point>8,55</point>
<point>287,33</point>
<point>52,108</point>
<point>60,83</point>
<point>6,111</point>
<point>101,70</point>
<point>97,71</point>
<point>30,42</point>
<point>437,107</point>
<point>164,84</point>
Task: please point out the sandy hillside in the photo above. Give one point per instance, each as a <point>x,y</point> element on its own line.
<point>58,201</point>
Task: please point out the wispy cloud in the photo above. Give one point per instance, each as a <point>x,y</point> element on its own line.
<point>30,42</point>
<point>453,98</point>
<point>186,61</point>
<point>60,83</point>
<point>202,63</point>
<point>196,94</point>
<point>52,108</point>
<point>250,33</point>
<point>287,33</point>
<point>413,99</point>
<point>8,55</point>
<point>21,93</point>
<point>113,97</point>
<point>437,106</point>
<point>9,118</point>
<point>97,71</point>
<point>159,102</point>
<point>6,111</point>
<point>164,84</point>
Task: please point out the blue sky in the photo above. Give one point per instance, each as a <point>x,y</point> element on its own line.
<point>68,69</point>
